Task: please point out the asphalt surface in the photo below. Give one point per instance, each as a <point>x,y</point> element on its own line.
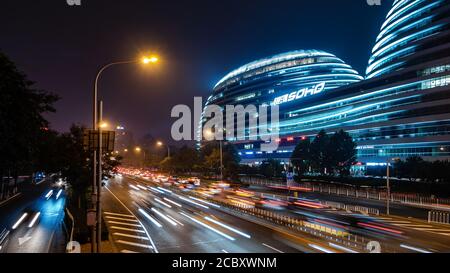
<point>40,230</point>
<point>192,228</point>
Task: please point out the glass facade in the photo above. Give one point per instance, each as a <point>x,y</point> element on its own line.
<point>401,108</point>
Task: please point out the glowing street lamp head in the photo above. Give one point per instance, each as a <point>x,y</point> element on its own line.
<point>103,125</point>
<point>151,59</point>
<point>138,149</point>
<point>159,143</point>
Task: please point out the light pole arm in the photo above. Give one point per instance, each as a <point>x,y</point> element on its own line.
<point>97,78</point>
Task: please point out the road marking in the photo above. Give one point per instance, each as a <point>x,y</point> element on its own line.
<point>23,240</point>
<point>399,222</point>
<point>342,248</point>
<point>145,230</point>
<point>118,214</point>
<point>178,222</point>
<point>134,244</point>
<point>124,224</point>
<point>128,229</point>
<point>271,247</point>
<point>122,219</point>
<point>224,251</point>
<point>131,236</point>
<point>128,251</point>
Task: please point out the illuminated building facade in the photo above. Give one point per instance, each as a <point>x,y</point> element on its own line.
<point>400,109</point>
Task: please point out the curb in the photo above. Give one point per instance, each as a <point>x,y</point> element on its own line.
<point>10,199</point>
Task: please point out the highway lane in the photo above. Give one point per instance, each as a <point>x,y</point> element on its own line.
<point>34,222</point>
<point>414,230</point>
<point>195,227</point>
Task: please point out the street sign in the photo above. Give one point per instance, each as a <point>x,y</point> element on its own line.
<point>90,140</point>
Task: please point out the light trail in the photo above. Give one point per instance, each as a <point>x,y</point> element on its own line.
<point>34,220</point>
<point>208,227</point>
<point>192,202</point>
<point>415,249</point>
<point>16,225</point>
<point>342,248</point>
<point>164,217</point>
<point>320,248</point>
<point>163,203</point>
<point>228,227</point>
<point>156,223</point>
<point>173,202</point>
<point>204,202</point>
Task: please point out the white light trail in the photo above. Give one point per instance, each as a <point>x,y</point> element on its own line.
<point>156,223</point>
<point>163,203</point>
<point>166,190</point>
<point>164,217</point>
<point>34,220</point>
<point>192,202</point>
<point>173,202</point>
<point>155,190</point>
<point>204,202</point>
<point>16,225</point>
<point>208,227</point>
<point>134,187</point>
<point>59,194</point>
<point>321,248</point>
<point>228,227</point>
<point>415,249</point>
<point>49,194</point>
<point>342,248</point>
<point>142,187</point>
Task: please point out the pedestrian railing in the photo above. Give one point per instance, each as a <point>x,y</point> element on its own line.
<point>350,191</point>
<point>438,217</point>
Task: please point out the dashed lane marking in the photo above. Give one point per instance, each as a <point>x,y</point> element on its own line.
<point>128,229</point>
<point>131,236</point>
<point>134,244</point>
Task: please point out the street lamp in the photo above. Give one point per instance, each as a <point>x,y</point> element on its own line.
<point>97,126</point>
<point>160,144</point>
<point>210,135</point>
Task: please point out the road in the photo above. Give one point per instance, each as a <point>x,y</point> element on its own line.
<point>33,223</point>
<point>145,218</point>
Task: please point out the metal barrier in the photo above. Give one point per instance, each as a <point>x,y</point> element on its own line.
<point>438,217</point>
<point>351,191</point>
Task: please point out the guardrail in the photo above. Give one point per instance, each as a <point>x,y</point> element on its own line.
<point>354,192</point>
<point>71,229</point>
<point>438,217</point>
<point>351,208</point>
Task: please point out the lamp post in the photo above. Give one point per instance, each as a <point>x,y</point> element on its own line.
<point>140,150</point>
<point>160,144</point>
<point>210,134</point>
<point>97,154</point>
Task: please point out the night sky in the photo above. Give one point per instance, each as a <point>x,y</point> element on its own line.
<point>61,47</point>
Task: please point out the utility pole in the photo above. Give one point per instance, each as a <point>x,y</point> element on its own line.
<point>100,178</point>
<point>388,186</point>
<point>221,161</point>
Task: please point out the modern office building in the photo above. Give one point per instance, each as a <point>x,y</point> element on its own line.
<point>400,109</point>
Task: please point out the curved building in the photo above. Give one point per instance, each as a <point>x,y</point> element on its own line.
<point>401,109</point>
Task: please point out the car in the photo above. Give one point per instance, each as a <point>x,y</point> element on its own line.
<point>194,181</point>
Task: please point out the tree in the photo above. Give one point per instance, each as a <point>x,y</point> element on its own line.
<point>210,155</point>
<point>271,168</point>
<point>342,152</point>
<point>320,156</point>
<point>301,157</point>
<point>21,119</point>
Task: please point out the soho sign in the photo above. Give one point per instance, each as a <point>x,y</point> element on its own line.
<point>302,93</point>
